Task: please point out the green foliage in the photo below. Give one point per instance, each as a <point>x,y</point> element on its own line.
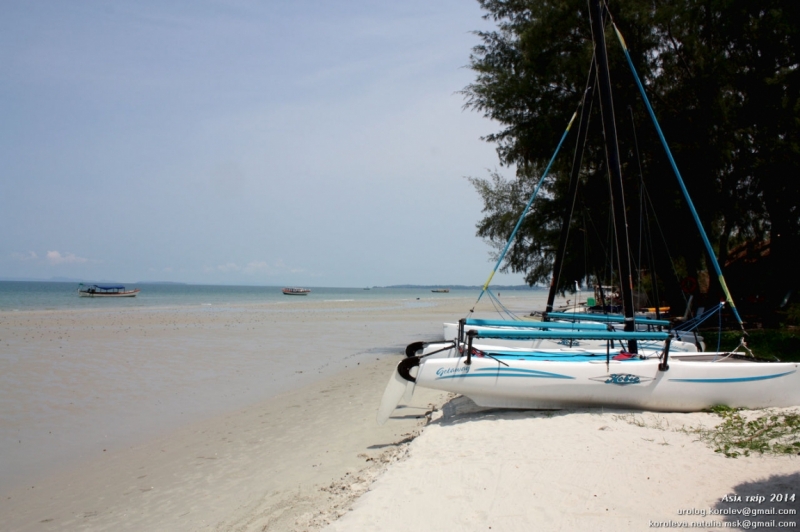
<point>793,314</point>
<point>783,344</point>
<point>739,434</point>
<point>724,78</point>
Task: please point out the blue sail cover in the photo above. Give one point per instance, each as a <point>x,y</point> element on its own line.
<point>536,324</point>
<point>574,335</point>
<point>606,318</point>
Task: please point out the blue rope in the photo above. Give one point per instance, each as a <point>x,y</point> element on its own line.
<point>709,249</point>
<point>695,322</point>
<point>527,207</point>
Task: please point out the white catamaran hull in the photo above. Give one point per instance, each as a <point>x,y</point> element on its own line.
<point>685,387</point>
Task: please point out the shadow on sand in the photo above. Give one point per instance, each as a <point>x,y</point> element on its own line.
<point>768,504</point>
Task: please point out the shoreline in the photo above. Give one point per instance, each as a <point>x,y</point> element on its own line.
<point>203,418</point>
<point>295,461</point>
<point>74,383</point>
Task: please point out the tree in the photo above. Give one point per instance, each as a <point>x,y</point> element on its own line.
<point>724,79</point>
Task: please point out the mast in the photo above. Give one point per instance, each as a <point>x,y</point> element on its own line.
<point>573,186</point>
<point>615,173</point>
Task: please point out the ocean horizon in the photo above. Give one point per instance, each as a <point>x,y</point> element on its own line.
<point>63,295</point>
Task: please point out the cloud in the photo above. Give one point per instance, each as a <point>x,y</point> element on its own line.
<point>256,266</point>
<point>30,255</point>
<point>229,267</point>
<point>55,257</point>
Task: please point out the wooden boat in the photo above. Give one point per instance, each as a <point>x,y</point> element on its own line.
<point>97,290</point>
<point>296,291</point>
<point>500,376</point>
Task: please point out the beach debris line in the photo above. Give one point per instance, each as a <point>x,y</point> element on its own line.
<point>342,493</point>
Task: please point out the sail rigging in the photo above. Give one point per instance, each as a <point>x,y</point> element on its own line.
<point>706,242</point>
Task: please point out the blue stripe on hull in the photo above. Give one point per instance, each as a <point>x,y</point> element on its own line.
<point>557,357</point>
<point>738,379</point>
<point>511,372</point>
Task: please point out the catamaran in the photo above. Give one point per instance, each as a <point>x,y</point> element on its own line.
<point>594,365</point>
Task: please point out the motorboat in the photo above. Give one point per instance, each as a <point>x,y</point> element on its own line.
<point>97,290</point>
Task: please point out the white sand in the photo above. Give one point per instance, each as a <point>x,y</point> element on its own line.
<point>477,469</point>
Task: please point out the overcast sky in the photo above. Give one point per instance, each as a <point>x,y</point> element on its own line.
<point>235,142</point>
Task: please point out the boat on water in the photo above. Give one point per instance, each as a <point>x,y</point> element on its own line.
<point>296,291</point>
<point>441,290</point>
<point>97,290</point>
<point>591,365</point>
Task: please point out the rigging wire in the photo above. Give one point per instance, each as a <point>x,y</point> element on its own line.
<point>682,185</point>
<point>645,233</point>
<point>694,323</point>
<point>577,159</point>
<point>526,209</point>
<point>663,239</point>
<point>502,308</point>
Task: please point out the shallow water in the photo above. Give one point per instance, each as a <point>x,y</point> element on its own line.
<point>77,382</point>
<point>25,295</point>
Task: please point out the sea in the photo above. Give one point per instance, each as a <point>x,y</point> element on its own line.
<point>36,295</point>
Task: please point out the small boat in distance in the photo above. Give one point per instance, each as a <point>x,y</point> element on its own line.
<point>97,290</point>
<point>296,291</point>
<point>441,290</point>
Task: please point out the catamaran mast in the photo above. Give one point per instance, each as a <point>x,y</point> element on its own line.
<point>583,127</point>
<point>615,173</point>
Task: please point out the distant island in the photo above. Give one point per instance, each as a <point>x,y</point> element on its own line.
<point>160,282</point>
<point>464,287</point>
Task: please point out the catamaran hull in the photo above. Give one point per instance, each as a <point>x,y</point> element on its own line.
<point>687,386</point>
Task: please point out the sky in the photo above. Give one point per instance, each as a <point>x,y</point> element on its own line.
<point>242,142</point>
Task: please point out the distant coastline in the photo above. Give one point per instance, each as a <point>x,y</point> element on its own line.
<point>177,283</point>
<point>465,287</point>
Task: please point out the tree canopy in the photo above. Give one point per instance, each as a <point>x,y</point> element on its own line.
<point>724,80</point>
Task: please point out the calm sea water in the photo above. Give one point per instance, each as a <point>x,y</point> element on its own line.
<point>21,295</point>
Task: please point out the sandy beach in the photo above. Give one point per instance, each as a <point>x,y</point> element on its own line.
<point>294,462</point>
<point>478,469</point>
<point>263,418</point>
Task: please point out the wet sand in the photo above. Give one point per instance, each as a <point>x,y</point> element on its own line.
<point>221,418</point>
